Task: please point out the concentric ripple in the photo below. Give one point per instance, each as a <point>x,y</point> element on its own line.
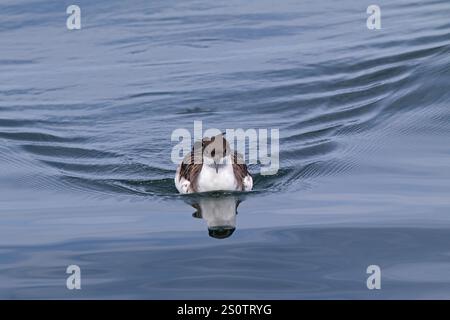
<point>94,112</point>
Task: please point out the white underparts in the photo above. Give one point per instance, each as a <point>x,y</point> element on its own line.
<point>211,178</point>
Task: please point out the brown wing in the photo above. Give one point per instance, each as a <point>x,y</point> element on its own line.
<point>239,168</point>
<point>191,167</point>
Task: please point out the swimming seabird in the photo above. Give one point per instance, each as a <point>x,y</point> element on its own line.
<point>213,166</point>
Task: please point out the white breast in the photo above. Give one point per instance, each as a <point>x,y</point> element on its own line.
<point>210,180</point>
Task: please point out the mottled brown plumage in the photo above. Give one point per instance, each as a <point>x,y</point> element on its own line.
<point>240,169</point>
<point>192,164</point>
<point>190,170</point>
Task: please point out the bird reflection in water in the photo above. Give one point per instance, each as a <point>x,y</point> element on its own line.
<point>219,212</point>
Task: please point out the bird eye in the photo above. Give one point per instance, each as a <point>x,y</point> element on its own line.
<point>213,153</point>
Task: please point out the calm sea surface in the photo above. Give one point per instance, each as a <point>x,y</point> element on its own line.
<point>86,177</point>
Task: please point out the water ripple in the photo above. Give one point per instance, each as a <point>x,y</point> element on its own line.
<point>246,69</point>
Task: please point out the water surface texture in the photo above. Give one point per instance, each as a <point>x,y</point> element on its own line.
<point>86,177</point>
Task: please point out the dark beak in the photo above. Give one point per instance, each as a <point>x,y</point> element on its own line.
<point>217,166</point>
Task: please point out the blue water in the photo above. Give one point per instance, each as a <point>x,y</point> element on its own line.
<point>86,178</point>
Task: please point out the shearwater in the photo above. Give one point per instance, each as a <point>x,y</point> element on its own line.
<point>213,166</point>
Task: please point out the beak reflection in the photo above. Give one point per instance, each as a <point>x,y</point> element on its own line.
<point>219,214</point>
